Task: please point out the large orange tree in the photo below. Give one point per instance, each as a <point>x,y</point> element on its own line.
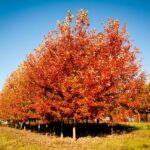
<point>80,74</point>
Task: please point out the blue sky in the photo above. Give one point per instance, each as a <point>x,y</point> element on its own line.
<point>23,23</point>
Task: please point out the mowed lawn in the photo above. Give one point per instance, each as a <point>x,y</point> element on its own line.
<point>15,139</point>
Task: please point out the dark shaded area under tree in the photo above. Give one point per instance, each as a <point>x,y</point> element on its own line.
<point>82,129</point>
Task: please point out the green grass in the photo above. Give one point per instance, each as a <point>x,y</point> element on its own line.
<point>12,139</point>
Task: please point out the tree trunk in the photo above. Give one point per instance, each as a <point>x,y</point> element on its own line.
<point>112,129</point>
<point>24,126</point>
<point>139,117</point>
<point>53,129</point>
<point>87,131</point>
<point>61,132</point>
<point>146,117</point>
<point>74,131</point>
<point>8,124</point>
<point>21,125</point>
<point>50,129</point>
<point>15,125</point>
<point>46,129</point>
<point>39,127</point>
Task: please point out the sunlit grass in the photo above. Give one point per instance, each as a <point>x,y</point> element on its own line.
<point>12,139</point>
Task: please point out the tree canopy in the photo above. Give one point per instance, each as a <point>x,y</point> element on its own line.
<point>77,73</point>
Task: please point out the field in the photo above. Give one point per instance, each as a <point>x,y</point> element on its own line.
<point>15,139</point>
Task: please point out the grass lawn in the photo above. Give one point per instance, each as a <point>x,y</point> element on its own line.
<point>13,139</point>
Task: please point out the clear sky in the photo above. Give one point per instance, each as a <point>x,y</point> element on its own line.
<point>23,23</point>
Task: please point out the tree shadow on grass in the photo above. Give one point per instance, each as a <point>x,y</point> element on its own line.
<point>85,129</point>
<point>103,129</point>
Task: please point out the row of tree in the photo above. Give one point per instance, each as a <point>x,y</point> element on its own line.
<point>77,75</point>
